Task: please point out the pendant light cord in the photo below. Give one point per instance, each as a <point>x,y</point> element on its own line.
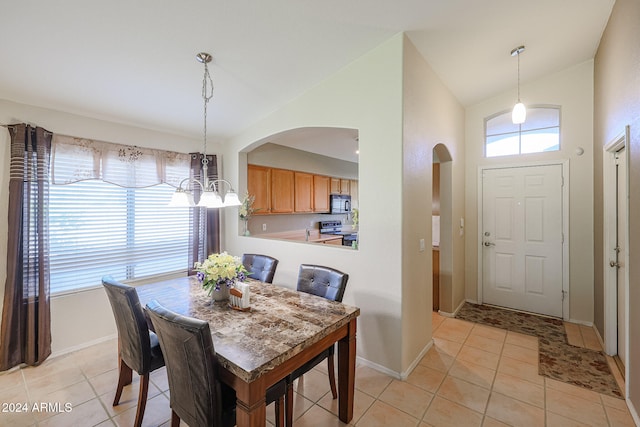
<point>518,76</point>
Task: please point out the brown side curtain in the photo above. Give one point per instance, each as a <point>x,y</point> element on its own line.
<point>205,223</point>
<point>25,332</point>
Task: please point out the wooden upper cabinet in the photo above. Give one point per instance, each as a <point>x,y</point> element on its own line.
<point>345,186</point>
<point>282,191</point>
<point>321,186</point>
<point>335,185</point>
<point>340,186</point>
<point>259,185</point>
<point>354,194</point>
<point>303,192</point>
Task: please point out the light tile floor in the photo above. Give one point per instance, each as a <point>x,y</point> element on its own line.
<point>474,375</point>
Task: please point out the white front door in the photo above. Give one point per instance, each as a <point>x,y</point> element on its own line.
<point>522,254</point>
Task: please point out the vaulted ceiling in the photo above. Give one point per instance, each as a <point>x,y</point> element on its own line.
<point>134,61</point>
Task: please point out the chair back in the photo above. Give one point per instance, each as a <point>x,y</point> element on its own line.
<point>133,330</point>
<point>189,356</point>
<point>323,281</point>
<point>260,267</point>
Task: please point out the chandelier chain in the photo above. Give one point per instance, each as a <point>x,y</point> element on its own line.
<point>207,94</point>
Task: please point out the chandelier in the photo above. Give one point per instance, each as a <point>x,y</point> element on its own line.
<point>210,197</point>
<point>519,113</point>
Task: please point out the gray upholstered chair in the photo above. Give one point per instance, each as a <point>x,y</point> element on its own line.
<point>197,396</point>
<point>260,267</point>
<point>138,348</point>
<point>328,283</point>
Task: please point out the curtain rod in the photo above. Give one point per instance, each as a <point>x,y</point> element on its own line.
<point>33,128</point>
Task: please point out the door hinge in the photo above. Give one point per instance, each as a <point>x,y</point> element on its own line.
<point>562,238</point>
<point>564,294</point>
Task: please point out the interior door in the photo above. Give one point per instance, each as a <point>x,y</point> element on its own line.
<point>621,251</point>
<point>522,238</point>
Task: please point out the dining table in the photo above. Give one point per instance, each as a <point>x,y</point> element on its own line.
<point>258,347</point>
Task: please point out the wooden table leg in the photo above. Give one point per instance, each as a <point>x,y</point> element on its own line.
<point>347,373</point>
<point>251,409</point>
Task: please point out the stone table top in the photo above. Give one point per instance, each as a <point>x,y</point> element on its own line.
<point>281,323</point>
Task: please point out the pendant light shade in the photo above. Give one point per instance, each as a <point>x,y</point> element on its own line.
<point>519,113</point>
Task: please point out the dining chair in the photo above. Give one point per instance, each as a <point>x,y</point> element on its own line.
<point>138,348</point>
<point>325,282</point>
<point>260,267</point>
<point>196,395</point>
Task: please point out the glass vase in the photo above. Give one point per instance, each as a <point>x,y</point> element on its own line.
<point>246,228</point>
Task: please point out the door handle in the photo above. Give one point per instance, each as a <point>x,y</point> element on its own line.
<point>614,264</point>
<point>487,244</point>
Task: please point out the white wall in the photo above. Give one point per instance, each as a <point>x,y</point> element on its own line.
<point>431,116</point>
<point>572,89</point>
<point>80,318</point>
<point>366,95</point>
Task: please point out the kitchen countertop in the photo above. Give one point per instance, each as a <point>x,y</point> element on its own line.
<point>299,235</point>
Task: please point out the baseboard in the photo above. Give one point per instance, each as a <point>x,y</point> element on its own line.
<point>446,314</point>
<point>379,368</point>
<point>83,346</point>
<point>404,375</point>
<point>634,413</point>
<point>581,322</point>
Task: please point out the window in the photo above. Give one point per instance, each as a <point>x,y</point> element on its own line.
<point>98,228</point>
<point>539,133</point>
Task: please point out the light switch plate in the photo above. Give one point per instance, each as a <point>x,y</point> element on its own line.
<point>421,245</point>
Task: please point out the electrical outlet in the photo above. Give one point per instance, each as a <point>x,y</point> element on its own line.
<point>264,227</point>
<point>311,224</point>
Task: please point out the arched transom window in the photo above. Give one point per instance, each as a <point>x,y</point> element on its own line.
<point>540,132</point>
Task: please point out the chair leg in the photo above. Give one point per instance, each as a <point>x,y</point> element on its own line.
<point>175,419</point>
<point>142,399</point>
<point>123,380</point>
<point>289,405</point>
<point>280,407</point>
<point>332,376</point>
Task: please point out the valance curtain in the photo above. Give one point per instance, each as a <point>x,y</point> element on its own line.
<point>205,234</point>
<point>25,332</point>
<point>77,159</point>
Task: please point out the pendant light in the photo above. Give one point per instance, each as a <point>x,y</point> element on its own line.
<point>519,113</point>
<point>210,198</point>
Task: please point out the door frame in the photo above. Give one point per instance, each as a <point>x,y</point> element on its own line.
<point>609,244</point>
<point>565,224</point>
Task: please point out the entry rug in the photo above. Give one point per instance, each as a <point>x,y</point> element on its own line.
<point>558,359</point>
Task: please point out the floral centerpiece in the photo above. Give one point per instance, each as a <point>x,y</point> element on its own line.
<point>219,272</point>
<point>246,210</point>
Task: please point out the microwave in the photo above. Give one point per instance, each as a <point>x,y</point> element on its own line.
<point>340,204</point>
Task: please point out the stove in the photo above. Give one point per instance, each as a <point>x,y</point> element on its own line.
<point>335,228</point>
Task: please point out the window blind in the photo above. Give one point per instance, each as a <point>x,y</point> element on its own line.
<point>98,228</point>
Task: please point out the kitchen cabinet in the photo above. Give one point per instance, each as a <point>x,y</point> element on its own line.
<point>340,186</point>
<point>259,185</point>
<point>287,191</point>
<point>304,192</point>
<point>345,186</point>
<point>282,191</point>
<point>321,187</point>
<point>354,194</point>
